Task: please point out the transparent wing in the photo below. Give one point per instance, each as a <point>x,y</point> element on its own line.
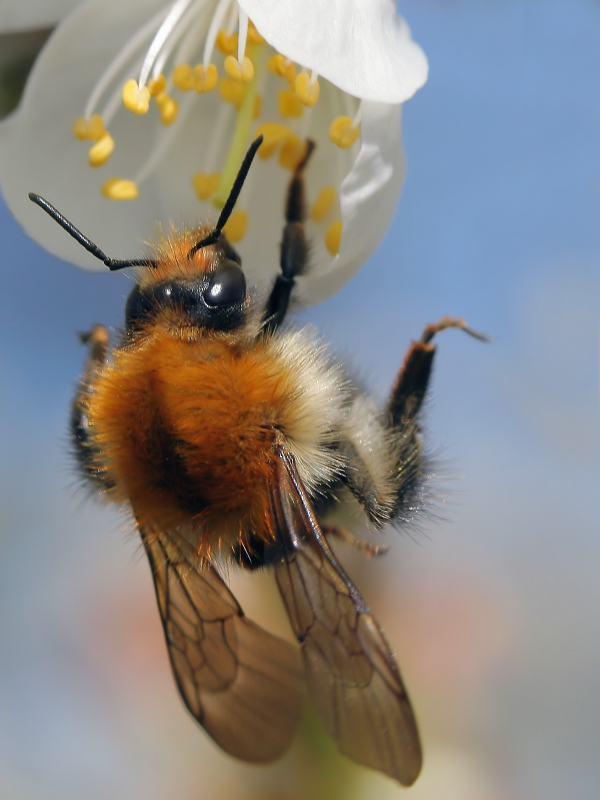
<point>242,684</point>
<point>352,675</point>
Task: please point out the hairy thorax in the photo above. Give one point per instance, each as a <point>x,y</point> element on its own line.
<point>186,429</point>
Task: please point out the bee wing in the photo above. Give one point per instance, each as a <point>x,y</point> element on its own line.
<point>352,675</point>
<point>242,684</point>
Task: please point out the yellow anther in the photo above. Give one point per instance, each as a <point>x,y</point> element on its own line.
<point>183,77</point>
<point>254,36</point>
<point>333,237</point>
<point>205,80</point>
<point>157,85</point>
<point>92,128</point>
<point>288,104</point>
<point>243,71</point>
<point>236,226</point>
<point>231,91</point>
<point>342,132</point>
<point>323,204</point>
<point>292,152</point>
<point>307,90</point>
<point>205,185</point>
<point>101,151</point>
<point>120,189</point>
<point>282,66</point>
<point>136,99</point>
<point>227,43</point>
<point>168,108</point>
<point>273,133</point>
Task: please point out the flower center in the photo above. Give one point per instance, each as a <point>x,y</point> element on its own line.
<point>248,89</point>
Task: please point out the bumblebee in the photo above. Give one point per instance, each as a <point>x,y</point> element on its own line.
<point>229,437</point>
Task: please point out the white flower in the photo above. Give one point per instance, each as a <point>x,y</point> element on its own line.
<point>207,81</point>
<point>21,15</point>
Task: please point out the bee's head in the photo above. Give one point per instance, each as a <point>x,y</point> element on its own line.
<point>196,282</point>
<point>206,290</point>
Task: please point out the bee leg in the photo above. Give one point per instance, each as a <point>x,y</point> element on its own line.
<point>364,487</point>
<point>411,384</point>
<point>352,540</point>
<point>86,451</point>
<point>294,248</point>
<point>404,406</point>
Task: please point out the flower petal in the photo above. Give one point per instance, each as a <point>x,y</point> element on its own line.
<point>20,15</point>
<point>38,152</point>
<point>361,46</point>
<point>368,198</point>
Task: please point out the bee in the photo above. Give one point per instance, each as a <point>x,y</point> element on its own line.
<point>229,437</point>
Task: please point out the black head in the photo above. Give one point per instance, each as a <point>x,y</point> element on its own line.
<point>215,300</point>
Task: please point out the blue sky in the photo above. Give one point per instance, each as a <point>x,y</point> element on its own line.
<point>498,222</point>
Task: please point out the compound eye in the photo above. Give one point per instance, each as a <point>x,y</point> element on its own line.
<point>227,285</point>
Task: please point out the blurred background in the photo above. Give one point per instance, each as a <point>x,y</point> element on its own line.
<point>493,606</point>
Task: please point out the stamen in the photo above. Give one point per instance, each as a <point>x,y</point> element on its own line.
<point>293,151</point>
<point>242,34</point>
<point>307,88</point>
<point>236,226</point>
<point>119,62</point>
<point>254,36</point>
<point>333,237</point>
<point>101,151</point>
<point>343,132</point>
<point>205,185</point>
<point>274,134</point>
<point>168,108</point>
<point>92,128</point>
<point>288,104</point>
<point>136,99</point>
<point>183,77</point>
<point>282,66</point>
<point>205,78</point>
<point>157,86</point>
<point>323,204</point>
<point>227,43</point>
<point>120,189</point>
<point>213,29</point>
<point>242,71</point>
<point>162,34</point>
<point>232,91</point>
<point>241,134</point>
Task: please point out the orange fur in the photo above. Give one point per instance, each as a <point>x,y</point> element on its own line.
<point>171,252</point>
<point>186,434</point>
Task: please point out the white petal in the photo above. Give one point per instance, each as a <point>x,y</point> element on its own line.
<point>20,15</point>
<point>362,46</point>
<point>368,200</point>
<point>38,152</point>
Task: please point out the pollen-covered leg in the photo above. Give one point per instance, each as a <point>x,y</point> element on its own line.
<point>294,248</point>
<point>86,451</point>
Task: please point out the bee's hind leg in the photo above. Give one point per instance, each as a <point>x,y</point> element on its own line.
<point>404,405</point>
<point>294,248</point>
<point>411,384</point>
<point>350,539</point>
<point>86,450</point>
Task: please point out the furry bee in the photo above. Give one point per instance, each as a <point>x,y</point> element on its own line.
<point>230,437</point>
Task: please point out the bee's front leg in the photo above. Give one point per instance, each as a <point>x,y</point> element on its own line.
<point>294,248</point>
<point>86,450</point>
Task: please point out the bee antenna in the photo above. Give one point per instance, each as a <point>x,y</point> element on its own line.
<point>112,263</point>
<point>213,236</point>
